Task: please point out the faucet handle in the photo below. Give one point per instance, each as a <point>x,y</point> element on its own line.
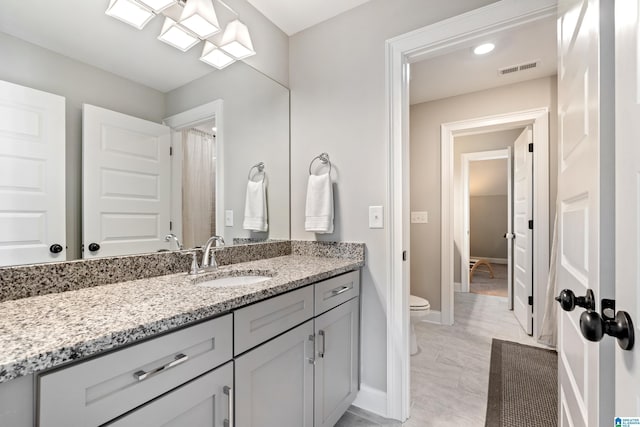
<point>195,268</point>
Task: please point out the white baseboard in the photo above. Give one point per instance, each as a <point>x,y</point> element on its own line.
<point>493,260</point>
<point>434,316</point>
<point>457,286</point>
<point>372,400</point>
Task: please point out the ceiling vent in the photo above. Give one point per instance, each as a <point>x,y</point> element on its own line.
<point>520,67</point>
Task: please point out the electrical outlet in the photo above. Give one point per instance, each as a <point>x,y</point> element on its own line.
<point>376,219</point>
<point>228,218</point>
<point>419,217</point>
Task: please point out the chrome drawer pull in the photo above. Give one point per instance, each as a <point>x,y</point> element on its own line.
<point>338,291</point>
<point>229,392</point>
<point>142,375</point>
<point>321,352</point>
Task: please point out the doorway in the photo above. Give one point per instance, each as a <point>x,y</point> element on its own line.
<point>401,51</point>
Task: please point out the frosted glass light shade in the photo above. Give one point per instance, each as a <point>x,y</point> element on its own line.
<point>236,40</point>
<point>129,12</point>
<point>199,16</point>
<point>215,57</point>
<point>157,5</point>
<point>175,36</point>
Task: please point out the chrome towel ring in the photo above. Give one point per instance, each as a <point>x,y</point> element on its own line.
<point>324,159</point>
<point>259,166</point>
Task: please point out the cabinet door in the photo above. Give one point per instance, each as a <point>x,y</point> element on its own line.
<point>274,382</point>
<point>204,402</point>
<point>337,347</point>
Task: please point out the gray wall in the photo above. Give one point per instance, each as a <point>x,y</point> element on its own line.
<point>337,81</point>
<point>30,65</point>
<point>426,119</point>
<point>488,221</point>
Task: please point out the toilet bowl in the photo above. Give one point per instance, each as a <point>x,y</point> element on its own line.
<point>419,308</point>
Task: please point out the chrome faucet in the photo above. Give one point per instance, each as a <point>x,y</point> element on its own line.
<point>208,259</point>
<point>172,236</point>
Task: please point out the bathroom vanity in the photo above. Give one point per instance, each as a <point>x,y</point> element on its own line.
<point>168,351</point>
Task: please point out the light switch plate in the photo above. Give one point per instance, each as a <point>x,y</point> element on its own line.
<point>419,217</point>
<point>228,218</point>
<point>376,217</point>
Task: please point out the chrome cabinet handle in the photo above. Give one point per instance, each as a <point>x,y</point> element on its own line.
<point>321,352</point>
<point>338,291</point>
<point>142,375</point>
<point>312,360</point>
<point>229,421</point>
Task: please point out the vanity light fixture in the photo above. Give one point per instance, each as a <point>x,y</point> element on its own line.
<point>215,57</point>
<point>483,49</point>
<point>186,23</point>
<point>130,12</point>
<point>177,37</point>
<point>157,6</point>
<point>199,16</point>
<point>236,40</point>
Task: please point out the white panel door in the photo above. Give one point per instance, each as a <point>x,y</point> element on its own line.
<point>584,241</point>
<point>523,243</point>
<point>32,192</point>
<point>126,183</point>
<point>627,167</point>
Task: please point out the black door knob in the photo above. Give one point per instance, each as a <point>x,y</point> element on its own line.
<point>94,247</point>
<point>568,300</point>
<point>593,328</point>
<point>55,248</point>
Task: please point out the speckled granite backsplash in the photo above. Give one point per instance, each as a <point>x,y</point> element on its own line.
<point>40,279</point>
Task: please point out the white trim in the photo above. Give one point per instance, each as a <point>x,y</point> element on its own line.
<point>371,399</point>
<point>466,159</point>
<point>457,287</point>
<point>426,42</point>
<point>539,121</point>
<point>208,111</point>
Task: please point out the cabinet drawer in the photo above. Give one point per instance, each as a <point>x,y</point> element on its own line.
<point>333,292</point>
<point>202,402</point>
<point>100,389</point>
<point>257,323</point>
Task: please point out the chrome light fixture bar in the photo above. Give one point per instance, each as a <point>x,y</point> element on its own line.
<point>186,23</point>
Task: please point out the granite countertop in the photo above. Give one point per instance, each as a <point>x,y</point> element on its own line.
<point>46,331</point>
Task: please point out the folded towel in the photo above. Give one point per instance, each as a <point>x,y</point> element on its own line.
<point>319,209</point>
<point>255,207</point>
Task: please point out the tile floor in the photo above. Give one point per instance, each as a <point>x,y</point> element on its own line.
<point>450,375</point>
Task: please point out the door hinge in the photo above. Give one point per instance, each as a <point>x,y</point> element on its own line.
<point>531,300</point>
<point>531,147</point>
<point>404,255</point>
<point>170,225</point>
<point>530,224</point>
<point>171,151</point>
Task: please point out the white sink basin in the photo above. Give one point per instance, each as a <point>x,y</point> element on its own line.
<point>232,281</point>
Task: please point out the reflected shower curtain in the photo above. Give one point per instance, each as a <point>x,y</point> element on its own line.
<point>198,187</point>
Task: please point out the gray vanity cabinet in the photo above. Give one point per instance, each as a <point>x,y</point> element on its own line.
<point>274,382</point>
<point>336,370</point>
<point>308,376</point>
<point>205,401</point>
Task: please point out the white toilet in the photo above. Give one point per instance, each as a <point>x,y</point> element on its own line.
<point>419,308</point>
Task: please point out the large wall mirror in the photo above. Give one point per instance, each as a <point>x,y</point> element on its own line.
<point>136,158</point>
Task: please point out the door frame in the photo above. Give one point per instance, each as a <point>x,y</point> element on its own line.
<point>400,51</point>
<point>177,122</point>
<point>464,198</point>
<point>538,119</point>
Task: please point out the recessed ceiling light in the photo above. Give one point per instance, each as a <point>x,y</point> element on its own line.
<point>483,49</point>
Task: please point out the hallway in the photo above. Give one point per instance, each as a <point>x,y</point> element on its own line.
<point>450,375</point>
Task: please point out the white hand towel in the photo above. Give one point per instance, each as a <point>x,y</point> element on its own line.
<point>319,209</point>
<point>255,207</point>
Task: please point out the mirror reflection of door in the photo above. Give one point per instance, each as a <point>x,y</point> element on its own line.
<point>32,176</point>
<point>126,184</point>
